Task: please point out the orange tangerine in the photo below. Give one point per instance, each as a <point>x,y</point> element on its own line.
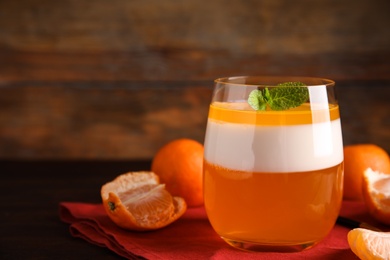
<point>376,192</point>
<point>368,244</point>
<point>179,165</point>
<point>137,201</point>
<point>357,158</point>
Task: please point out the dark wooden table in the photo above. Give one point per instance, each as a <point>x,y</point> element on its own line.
<point>30,193</point>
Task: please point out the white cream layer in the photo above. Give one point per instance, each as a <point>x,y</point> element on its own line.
<point>255,148</point>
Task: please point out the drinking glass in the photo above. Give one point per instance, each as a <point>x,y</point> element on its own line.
<point>273,178</point>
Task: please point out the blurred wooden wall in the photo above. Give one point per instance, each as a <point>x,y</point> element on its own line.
<point>117,79</point>
<point>251,26</point>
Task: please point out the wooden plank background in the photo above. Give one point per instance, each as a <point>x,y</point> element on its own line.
<point>118,79</point>
<point>251,26</point>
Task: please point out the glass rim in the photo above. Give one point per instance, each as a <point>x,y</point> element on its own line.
<point>235,80</point>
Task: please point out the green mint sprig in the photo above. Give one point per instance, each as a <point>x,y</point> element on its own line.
<point>287,95</point>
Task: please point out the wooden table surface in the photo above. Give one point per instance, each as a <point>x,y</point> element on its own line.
<point>30,193</point>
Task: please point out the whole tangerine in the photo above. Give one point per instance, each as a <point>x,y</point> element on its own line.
<point>179,165</point>
<point>357,158</point>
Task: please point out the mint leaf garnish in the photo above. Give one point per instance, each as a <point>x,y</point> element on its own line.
<point>256,100</point>
<point>287,95</point>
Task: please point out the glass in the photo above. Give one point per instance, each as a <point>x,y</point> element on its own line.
<point>272,178</point>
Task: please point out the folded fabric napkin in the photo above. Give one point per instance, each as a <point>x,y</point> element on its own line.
<point>190,237</point>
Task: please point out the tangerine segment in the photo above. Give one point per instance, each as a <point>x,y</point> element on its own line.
<point>137,201</point>
<point>376,192</point>
<point>368,244</point>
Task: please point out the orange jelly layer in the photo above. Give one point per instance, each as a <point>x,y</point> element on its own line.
<point>241,113</point>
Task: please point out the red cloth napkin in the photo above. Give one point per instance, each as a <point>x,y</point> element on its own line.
<point>191,237</point>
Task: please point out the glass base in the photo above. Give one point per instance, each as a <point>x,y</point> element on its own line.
<point>264,247</point>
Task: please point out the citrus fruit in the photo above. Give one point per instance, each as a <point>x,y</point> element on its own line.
<point>368,244</point>
<point>357,158</point>
<point>179,165</point>
<point>376,193</point>
<point>137,201</point>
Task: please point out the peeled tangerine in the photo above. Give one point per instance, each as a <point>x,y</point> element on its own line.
<point>376,193</point>
<point>137,201</point>
<point>369,245</point>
